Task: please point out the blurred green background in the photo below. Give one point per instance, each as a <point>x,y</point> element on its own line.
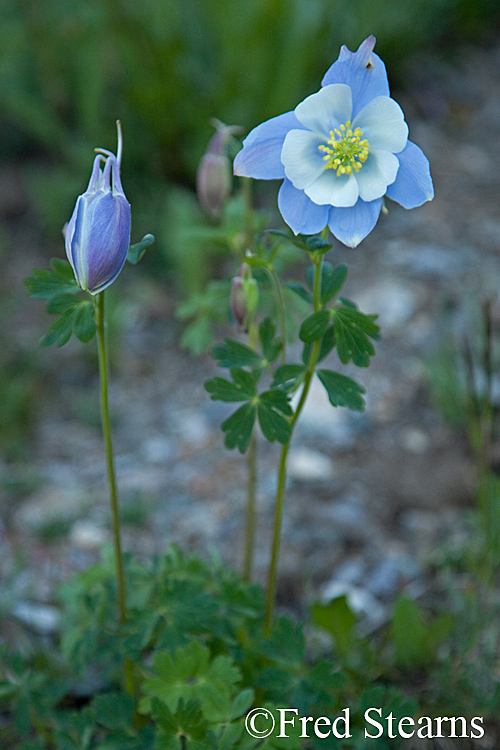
<point>68,70</point>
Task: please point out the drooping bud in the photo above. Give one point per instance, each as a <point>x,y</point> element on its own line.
<point>214,176</point>
<point>98,234</point>
<point>244,296</point>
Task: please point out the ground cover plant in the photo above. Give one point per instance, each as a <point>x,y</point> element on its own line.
<point>173,652</point>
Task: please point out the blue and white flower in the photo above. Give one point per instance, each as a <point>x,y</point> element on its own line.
<point>97,237</point>
<point>340,152</point>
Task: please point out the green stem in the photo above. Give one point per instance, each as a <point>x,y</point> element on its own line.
<point>113,495</point>
<point>281,308</point>
<point>253,337</point>
<point>280,493</point>
<point>250,509</point>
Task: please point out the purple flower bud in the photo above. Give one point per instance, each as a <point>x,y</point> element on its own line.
<point>98,234</point>
<point>238,300</point>
<point>213,180</point>
<point>244,296</point>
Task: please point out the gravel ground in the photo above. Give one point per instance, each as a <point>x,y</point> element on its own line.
<point>370,496</point>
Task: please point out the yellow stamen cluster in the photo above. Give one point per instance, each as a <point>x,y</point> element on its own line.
<point>345,150</point>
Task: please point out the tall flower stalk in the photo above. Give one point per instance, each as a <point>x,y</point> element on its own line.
<point>97,240</point>
<point>339,154</point>
<point>108,448</point>
<point>282,468</point>
<point>110,470</point>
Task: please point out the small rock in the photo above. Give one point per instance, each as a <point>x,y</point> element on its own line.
<point>51,505</point>
<point>88,536</point>
<point>414,440</point>
<point>43,618</point>
<point>321,419</point>
<point>390,574</point>
<point>193,428</point>
<point>307,465</point>
<point>157,449</point>
<point>393,302</point>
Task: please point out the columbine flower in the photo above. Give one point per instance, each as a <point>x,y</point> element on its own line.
<point>98,234</point>
<point>340,151</point>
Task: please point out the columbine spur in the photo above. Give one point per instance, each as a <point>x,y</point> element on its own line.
<point>340,151</point>
<point>98,234</point>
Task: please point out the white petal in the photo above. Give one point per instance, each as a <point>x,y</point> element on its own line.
<point>301,157</point>
<point>383,125</point>
<point>378,171</point>
<point>334,191</point>
<point>327,109</point>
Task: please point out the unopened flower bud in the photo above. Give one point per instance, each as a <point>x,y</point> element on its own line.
<point>97,237</point>
<point>213,180</point>
<point>244,296</point>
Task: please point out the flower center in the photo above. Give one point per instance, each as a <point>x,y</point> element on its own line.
<point>345,150</point>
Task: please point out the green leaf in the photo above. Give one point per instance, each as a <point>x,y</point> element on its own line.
<point>315,326</point>
<point>61,303</point>
<point>317,244</point>
<point>342,391</point>
<point>276,399</point>
<point>338,618</point>
<point>332,281</point>
<point>352,329</point>
<point>113,710</point>
<point>239,426</point>
<point>187,721</point>
<point>60,331</point>
<point>326,346</point>
<point>409,632</point>
<point>235,354</point>
<point>271,346</point>
<point>298,241</point>
<point>286,644</point>
<point>135,252</point>
<point>44,283</point>
<point>84,326</point>
<point>415,639</point>
<point>242,388</point>
<point>62,268</point>
<point>191,674</point>
<point>273,424</point>
<point>198,336</point>
<point>288,377</point>
<point>231,733</point>
<point>241,703</point>
<point>300,290</point>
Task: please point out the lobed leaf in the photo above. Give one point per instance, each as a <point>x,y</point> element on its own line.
<point>242,387</point>
<point>314,326</point>
<point>236,354</point>
<point>271,346</point>
<point>273,424</point>
<point>300,290</point>
<point>239,427</point>
<point>44,283</point>
<point>341,390</point>
<point>352,331</point>
<point>332,281</point>
<point>84,326</point>
<point>288,377</point>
